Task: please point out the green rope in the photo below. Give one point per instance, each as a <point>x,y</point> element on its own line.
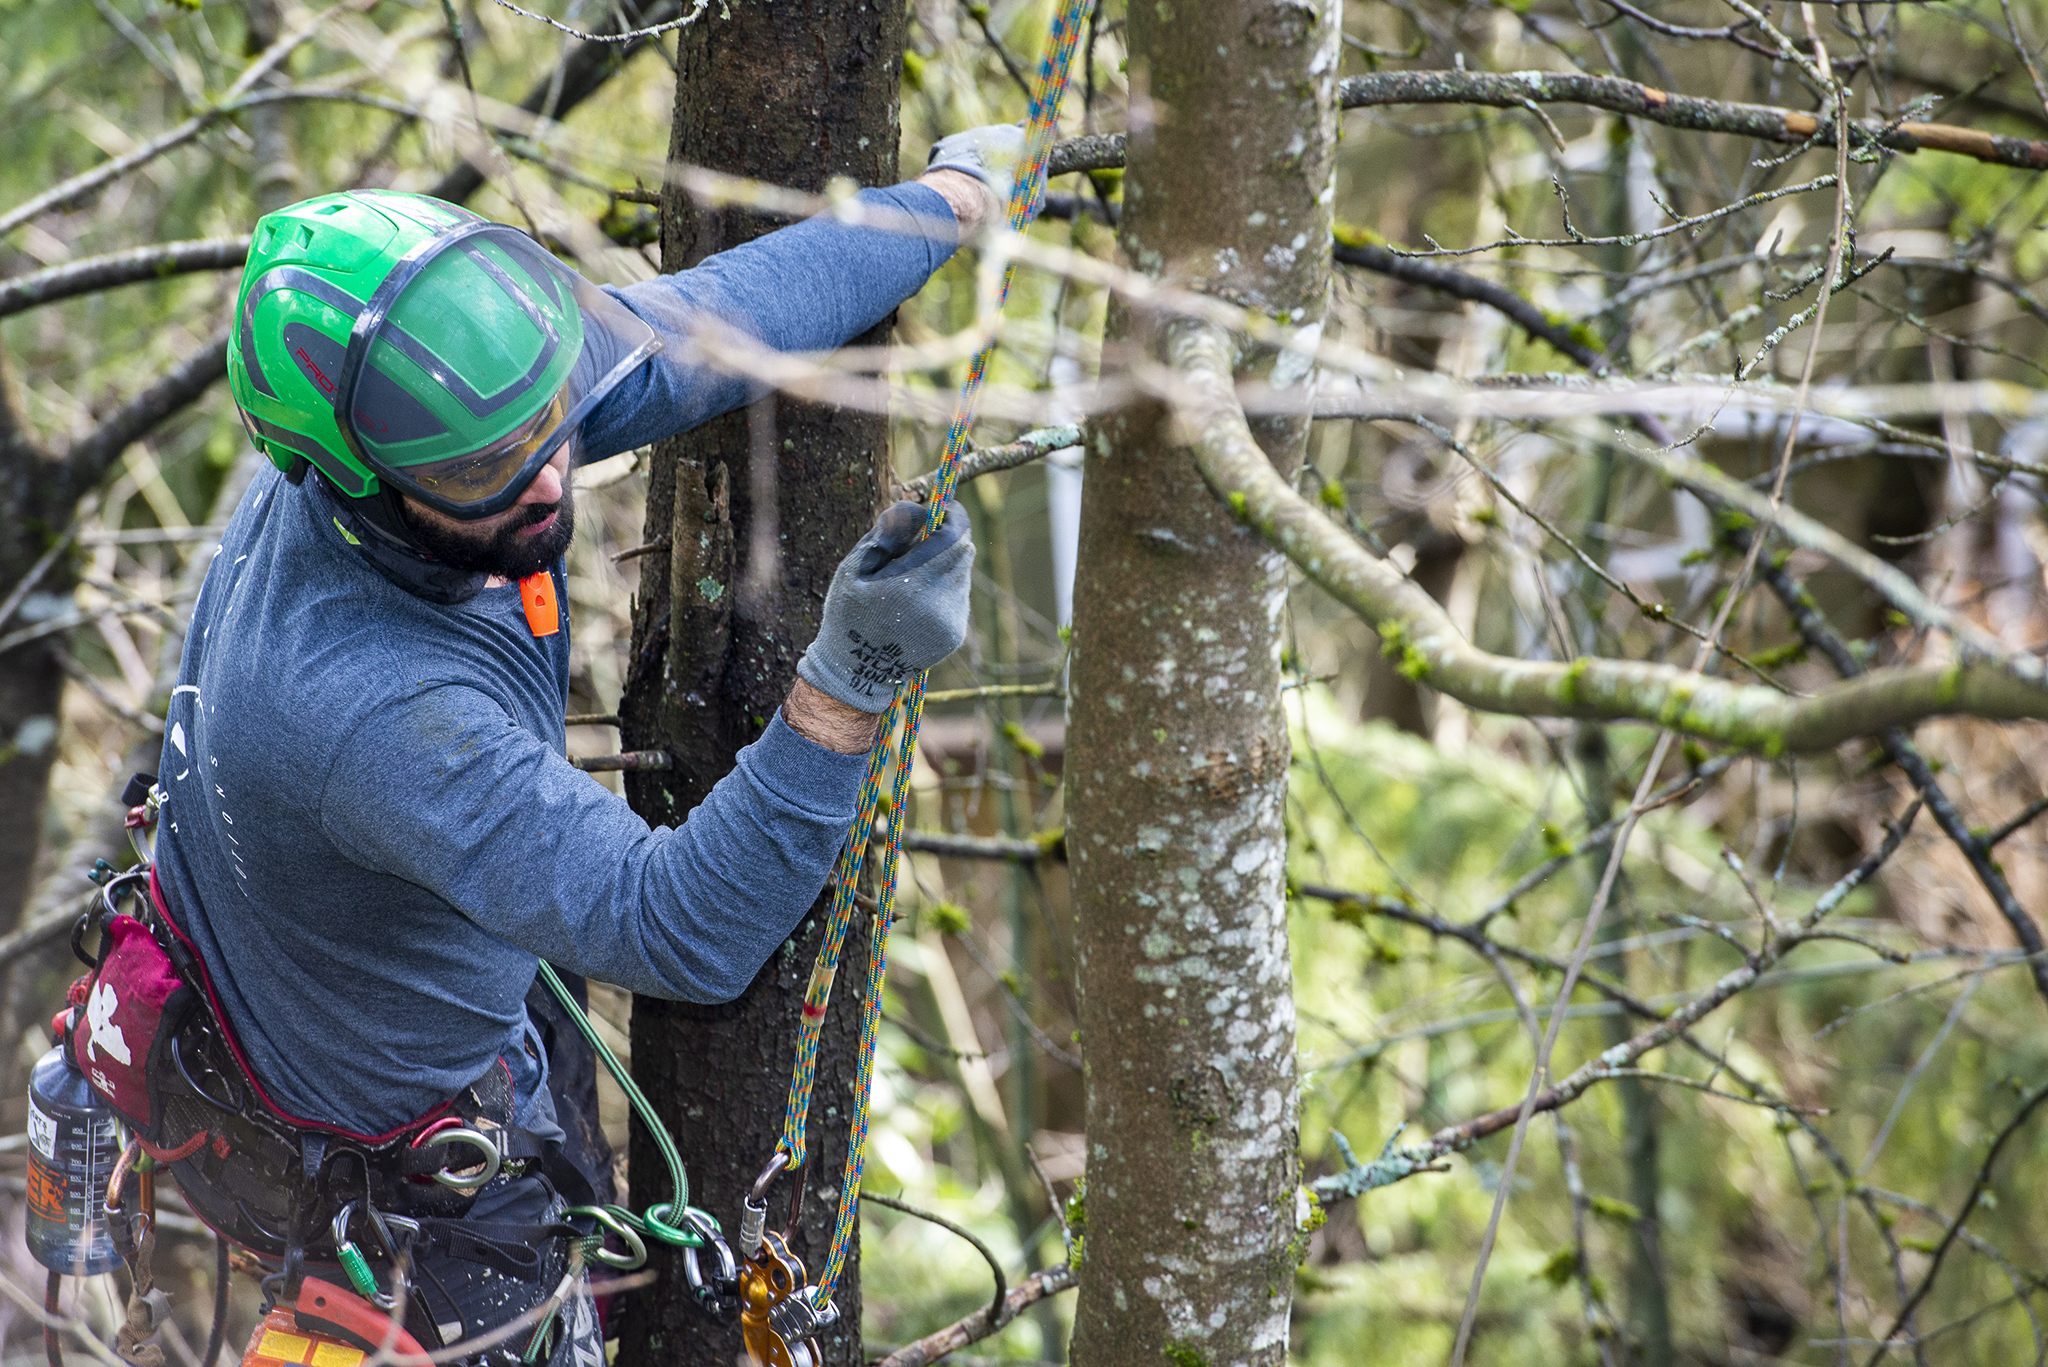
<point>653,1222</point>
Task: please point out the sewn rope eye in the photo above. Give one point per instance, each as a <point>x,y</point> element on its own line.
<point>904,716</point>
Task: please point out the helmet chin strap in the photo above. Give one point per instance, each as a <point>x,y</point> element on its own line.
<point>378,530</point>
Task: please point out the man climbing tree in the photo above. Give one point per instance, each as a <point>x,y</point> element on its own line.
<point>369,830</point>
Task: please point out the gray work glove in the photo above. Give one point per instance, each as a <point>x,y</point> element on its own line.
<point>896,605</point>
<point>989,153</point>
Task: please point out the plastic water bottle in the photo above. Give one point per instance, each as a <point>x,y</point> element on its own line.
<point>73,1146</point>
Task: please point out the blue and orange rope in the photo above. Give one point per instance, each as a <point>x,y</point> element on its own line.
<point>905,714</point>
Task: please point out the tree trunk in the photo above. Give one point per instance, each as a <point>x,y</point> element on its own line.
<point>794,94</point>
<point>1178,749</point>
<point>31,684</point>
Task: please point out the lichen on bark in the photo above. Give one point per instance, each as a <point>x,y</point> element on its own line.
<point>1178,751</point>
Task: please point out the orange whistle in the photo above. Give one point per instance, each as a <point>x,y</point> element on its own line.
<point>537,594</point>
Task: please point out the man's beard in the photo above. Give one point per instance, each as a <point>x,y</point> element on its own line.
<point>507,552</point>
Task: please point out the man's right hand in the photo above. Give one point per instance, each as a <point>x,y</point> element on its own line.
<point>897,605</point>
<point>990,154</point>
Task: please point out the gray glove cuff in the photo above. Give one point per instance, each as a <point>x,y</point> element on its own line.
<point>969,166</point>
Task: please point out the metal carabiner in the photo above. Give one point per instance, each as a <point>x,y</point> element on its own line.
<point>610,1222</point>
<point>754,1209</point>
<point>463,1134</point>
<point>716,1295</point>
<point>355,1264</point>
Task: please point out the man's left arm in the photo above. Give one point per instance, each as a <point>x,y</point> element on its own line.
<point>812,286</point>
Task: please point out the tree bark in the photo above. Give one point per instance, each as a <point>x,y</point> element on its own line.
<point>33,512</point>
<point>794,94</point>
<point>1178,748</point>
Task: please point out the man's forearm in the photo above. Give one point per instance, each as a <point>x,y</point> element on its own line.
<point>826,721</point>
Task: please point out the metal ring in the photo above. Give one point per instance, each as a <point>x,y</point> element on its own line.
<point>463,1134</point>
<point>609,1221</point>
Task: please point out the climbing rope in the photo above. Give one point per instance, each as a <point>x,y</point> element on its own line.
<point>674,1221</point>
<point>904,716</point>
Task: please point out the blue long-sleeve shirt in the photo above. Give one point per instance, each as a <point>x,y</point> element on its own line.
<point>372,830</point>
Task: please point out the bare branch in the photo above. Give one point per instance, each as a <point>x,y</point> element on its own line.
<point>976,1326</point>
<point>579,75</point>
<point>1049,845</point>
<point>234,99</point>
<point>1521,89</point>
<point>1977,1190</point>
<point>134,266</point>
<point>89,457</point>
<point>1034,445</point>
<point>994,1313</point>
<point>1399,1162</point>
<point>631,762</point>
<point>1462,285</point>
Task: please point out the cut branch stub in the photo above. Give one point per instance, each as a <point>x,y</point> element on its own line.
<point>1419,636</point>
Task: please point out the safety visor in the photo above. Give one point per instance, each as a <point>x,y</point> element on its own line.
<point>475,362</point>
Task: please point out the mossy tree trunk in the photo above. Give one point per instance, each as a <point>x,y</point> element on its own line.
<point>1177,759</point>
<point>795,93</point>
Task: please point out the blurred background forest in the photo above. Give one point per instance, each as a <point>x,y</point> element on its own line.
<point>1777,1194</point>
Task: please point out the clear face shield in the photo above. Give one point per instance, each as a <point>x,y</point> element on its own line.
<point>475,363</point>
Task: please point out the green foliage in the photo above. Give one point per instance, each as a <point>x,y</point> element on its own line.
<point>1560,1267</point>
<point>948,918</point>
<point>1620,1212</point>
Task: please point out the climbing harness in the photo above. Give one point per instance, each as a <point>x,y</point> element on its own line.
<point>146,1029</point>
<point>779,1312</point>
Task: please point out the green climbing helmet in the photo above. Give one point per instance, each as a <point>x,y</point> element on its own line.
<point>395,339</point>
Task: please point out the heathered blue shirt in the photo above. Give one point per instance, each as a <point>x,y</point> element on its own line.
<point>372,830</point>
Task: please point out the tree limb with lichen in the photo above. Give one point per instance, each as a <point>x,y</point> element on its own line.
<point>1419,636</point>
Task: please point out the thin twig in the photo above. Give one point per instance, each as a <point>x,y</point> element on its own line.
<point>976,1326</point>
<point>995,1306</point>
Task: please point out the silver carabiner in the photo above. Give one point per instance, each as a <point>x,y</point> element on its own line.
<point>354,1264</point>
<point>718,1296</point>
<point>463,1134</point>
